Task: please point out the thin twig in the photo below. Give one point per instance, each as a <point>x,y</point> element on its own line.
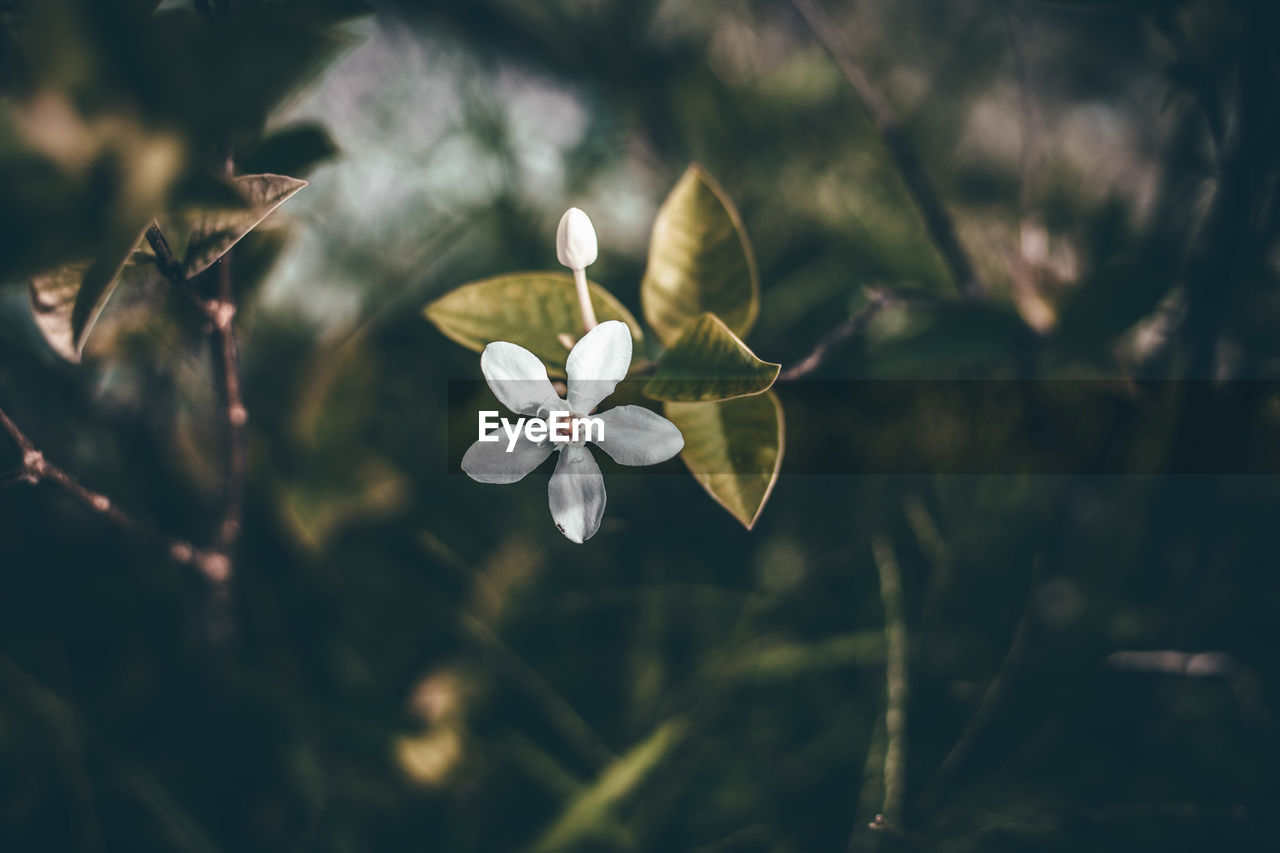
<point>937,220</point>
<point>837,337</point>
<point>36,468</point>
<point>895,716</point>
<point>236,416</point>
<point>878,299</point>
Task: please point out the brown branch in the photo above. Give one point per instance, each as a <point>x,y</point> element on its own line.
<point>852,327</point>
<point>846,331</point>
<point>937,221</point>
<point>221,314</point>
<point>235,415</point>
<point>38,469</point>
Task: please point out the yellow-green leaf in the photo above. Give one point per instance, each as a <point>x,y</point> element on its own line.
<point>67,301</point>
<point>537,310</point>
<point>733,448</point>
<point>709,362</point>
<point>699,260</point>
<point>214,232</point>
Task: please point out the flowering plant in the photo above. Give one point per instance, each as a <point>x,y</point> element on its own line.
<point>700,295</point>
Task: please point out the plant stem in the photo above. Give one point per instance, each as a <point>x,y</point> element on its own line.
<point>895,717</point>
<point>937,221</point>
<point>849,329</point>
<point>235,415</point>
<point>877,300</point>
<point>37,469</point>
<point>584,300</point>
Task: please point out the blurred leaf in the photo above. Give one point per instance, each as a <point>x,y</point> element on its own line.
<point>532,309</point>
<point>709,362</point>
<point>216,231</point>
<point>292,150</point>
<point>734,449</point>
<point>699,260</point>
<point>317,510</point>
<point>67,301</point>
<point>589,814</point>
<point>780,660</point>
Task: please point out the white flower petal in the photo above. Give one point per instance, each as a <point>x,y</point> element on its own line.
<point>634,435</point>
<point>518,378</point>
<point>576,494</point>
<point>597,364</point>
<point>490,462</point>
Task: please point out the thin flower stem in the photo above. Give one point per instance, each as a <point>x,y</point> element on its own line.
<point>584,300</point>
<point>937,221</point>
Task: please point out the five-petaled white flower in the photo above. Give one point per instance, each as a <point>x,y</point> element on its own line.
<point>633,435</point>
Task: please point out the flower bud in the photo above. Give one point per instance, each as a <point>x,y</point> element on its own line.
<point>576,240</point>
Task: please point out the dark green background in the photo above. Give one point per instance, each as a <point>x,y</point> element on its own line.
<point>369,576</point>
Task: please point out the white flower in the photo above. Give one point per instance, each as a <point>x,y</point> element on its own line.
<point>576,240</point>
<point>633,435</point>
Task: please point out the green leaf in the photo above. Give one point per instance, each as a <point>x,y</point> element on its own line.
<point>734,449</point>
<point>67,301</point>
<point>699,260</point>
<point>216,231</point>
<point>709,362</point>
<point>532,309</point>
<point>588,817</point>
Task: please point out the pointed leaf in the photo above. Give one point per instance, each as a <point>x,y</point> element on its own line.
<point>216,231</point>
<point>67,301</point>
<point>709,362</point>
<point>699,260</point>
<point>533,309</point>
<point>734,449</point>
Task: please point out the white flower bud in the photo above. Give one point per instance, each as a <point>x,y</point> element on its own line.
<point>576,240</point>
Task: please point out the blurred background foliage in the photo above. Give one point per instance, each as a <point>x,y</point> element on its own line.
<point>421,662</point>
